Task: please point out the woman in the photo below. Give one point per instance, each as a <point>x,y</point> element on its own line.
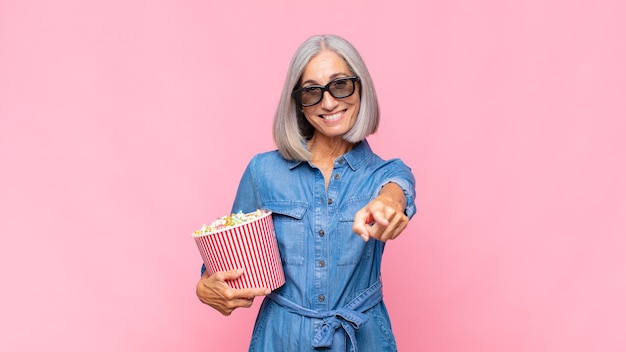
<point>329,195</point>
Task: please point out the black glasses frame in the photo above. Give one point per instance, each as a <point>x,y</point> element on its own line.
<point>297,93</point>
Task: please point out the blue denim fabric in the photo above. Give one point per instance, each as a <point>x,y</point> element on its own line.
<point>326,265</point>
<point>348,318</point>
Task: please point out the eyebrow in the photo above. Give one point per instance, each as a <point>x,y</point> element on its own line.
<point>332,77</point>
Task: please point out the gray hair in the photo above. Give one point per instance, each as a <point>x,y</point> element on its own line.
<point>291,129</point>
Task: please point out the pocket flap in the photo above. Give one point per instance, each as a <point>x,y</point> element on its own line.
<point>351,207</point>
<point>292,209</point>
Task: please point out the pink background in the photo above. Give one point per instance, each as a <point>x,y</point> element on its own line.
<point>126,124</point>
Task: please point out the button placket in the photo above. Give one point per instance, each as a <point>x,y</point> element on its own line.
<point>323,251</point>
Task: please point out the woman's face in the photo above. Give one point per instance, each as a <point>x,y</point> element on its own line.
<point>331,117</point>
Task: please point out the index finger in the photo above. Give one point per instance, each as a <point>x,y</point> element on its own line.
<point>360,224</point>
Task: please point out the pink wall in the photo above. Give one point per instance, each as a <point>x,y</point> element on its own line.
<point>126,124</point>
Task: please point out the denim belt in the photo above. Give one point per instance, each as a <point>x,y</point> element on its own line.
<point>350,317</point>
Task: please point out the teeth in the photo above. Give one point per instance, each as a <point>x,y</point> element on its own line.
<point>332,117</point>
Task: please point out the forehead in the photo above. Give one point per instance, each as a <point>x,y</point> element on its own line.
<point>324,67</point>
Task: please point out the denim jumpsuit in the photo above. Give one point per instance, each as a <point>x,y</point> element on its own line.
<point>332,298</point>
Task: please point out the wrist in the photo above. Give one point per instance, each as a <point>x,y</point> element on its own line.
<point>393,195</point>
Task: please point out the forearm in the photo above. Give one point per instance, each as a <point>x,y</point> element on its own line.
<point>394,196</point>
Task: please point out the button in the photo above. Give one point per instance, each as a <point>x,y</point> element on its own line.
<point>330,201</point>
<point>336,176</point>
<point>321,233</point>
<point>321,298</point>
<point>321,263</point>
<point>340,161</point>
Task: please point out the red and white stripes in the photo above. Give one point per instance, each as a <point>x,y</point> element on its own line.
<point>251,246</point>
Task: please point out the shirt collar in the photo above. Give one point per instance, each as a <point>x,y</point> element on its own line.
<point>357,155</point>
<point>354,157</point>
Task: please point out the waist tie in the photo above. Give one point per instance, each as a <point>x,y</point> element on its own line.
<point>350,317</point>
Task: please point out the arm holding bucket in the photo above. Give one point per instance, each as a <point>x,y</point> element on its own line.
<point>214,291</point>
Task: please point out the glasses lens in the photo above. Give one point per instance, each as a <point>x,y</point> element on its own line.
<point>310,96</point>
<point>341,88</point>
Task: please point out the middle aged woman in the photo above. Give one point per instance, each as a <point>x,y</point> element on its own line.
<point>329,195</point>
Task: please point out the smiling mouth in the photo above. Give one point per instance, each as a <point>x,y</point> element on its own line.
<point>332,117</point>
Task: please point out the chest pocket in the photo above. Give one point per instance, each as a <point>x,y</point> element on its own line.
<point>352,248</point>
<point>288,218</point>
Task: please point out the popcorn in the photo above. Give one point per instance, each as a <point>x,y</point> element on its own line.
<point>231,220</point>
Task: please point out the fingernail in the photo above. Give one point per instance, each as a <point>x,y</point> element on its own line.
<point>364,237</point>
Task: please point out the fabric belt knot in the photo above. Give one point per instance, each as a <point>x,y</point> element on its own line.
<point>349,317</point>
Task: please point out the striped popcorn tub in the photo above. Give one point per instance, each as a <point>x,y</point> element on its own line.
<point>250,245</point>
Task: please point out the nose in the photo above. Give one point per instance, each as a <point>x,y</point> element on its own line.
<point>328,101</point>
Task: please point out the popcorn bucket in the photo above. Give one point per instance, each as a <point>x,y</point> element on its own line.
<point>251,245</point>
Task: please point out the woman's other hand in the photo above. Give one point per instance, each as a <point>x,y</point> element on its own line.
<point>215,292</point>
<point>383,218</point>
